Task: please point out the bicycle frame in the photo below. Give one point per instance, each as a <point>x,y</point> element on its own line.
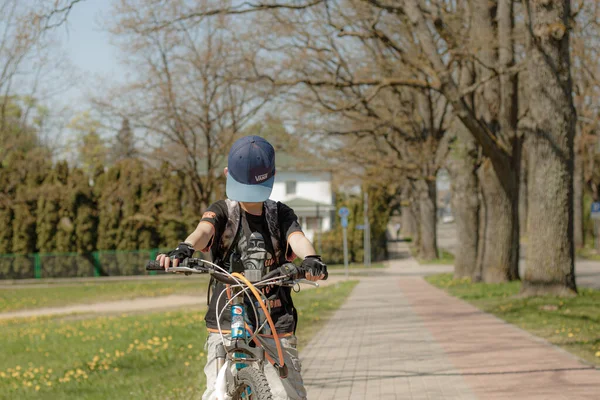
<point>238,351</point>
<point>241,351</point>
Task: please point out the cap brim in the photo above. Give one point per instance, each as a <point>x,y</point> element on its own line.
<point>249,193</point>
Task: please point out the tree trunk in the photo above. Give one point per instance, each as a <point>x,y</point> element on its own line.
<point>523,196</point>
<point>415,209</point>
<point>409,223</point>
<point>480,236</point>
<point>409,219</point>
<point>501,248</point>
<point>578,234</point>
<point>550,251</point>
<point>465,202</point>
<point>428,219</point>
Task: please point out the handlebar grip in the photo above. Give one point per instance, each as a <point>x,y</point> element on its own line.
<point>154,265</point>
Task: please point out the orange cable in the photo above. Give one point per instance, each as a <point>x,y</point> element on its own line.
<point>264,308</point>
<point>260,345</point>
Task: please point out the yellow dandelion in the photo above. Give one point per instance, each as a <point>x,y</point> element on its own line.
<point>116,369</point>
<point>570,334</point>
<point>37,387</point>
<point>187,364</point>
<point>598,354</point>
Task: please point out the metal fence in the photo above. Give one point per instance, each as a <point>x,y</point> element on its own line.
<point>65,265</point>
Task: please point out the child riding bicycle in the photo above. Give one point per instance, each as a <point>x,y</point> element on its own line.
<point>248,228</point>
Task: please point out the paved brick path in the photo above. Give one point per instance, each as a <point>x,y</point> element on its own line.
<point>399,338</point>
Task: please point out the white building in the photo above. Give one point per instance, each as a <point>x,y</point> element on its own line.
<point>309,194</point>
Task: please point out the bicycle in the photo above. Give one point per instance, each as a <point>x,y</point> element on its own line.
<point>247,380</point>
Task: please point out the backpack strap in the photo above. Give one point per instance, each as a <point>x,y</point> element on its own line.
<point>272,217</point>
<point>230,234</point>
<point>226,243</point>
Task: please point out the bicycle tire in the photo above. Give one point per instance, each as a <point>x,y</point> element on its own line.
<point>256,381</point>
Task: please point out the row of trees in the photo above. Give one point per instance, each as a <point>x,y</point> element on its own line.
<point>53,208</point>
<point>494,83</point>
<point>503,93</point>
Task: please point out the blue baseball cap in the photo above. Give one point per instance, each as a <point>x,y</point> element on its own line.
<point>251,170</point>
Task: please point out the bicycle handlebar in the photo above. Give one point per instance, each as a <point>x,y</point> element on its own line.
<point>200,266</point>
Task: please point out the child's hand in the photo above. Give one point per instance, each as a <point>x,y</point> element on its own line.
<point>315,268</point>
<point>183,251</point>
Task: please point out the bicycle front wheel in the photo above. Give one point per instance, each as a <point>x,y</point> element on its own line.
<point>252,385</point>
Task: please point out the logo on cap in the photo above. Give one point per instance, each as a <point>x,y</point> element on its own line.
<point>262,177</point>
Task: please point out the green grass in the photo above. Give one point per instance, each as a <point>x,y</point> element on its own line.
<point>588,253</point>
<point>150,356</point>
<point>571,323</point>
<point>53,295</point>
<point>445,258</point>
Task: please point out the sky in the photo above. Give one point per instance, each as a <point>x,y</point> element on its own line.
<point>89,49</point>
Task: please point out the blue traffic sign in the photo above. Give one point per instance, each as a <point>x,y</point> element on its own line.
<point>595,210</point>
<point>343,212</point>
<point>344,222</point>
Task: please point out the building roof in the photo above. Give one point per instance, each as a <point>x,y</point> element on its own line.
<point>302,203</point>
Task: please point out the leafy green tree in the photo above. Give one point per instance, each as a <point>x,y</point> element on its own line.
<point>172,224</point>
<point>124,143</point>
<point>48,209</point>
<point>85,210</point>
<point>32,167</point>
<point>6,212</point>
<point>109,209</point>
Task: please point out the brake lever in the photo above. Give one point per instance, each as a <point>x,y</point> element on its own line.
<point>295,282</point>
<point>306,281</point>
<point>186,270</point>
